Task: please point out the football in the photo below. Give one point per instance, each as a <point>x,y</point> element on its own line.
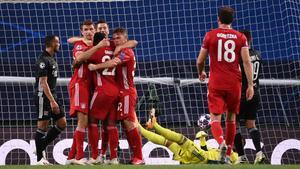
<point>204,122</point>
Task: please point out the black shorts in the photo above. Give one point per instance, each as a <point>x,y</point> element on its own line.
<point>248,109</point>
<point>44,111</point>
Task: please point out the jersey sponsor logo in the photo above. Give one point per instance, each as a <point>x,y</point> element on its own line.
<point>46,113</point>
<point>42,65</point>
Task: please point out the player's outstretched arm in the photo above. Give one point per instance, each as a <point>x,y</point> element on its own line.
<point>128,44</point>
<point>201,62</point>
<point>74,39</point>
<point>248,71</point>
<point>83,56</point>
<point>47,91</point>
<point>108,64</point>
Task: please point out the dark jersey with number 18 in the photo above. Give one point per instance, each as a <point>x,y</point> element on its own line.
<point>256,65</point>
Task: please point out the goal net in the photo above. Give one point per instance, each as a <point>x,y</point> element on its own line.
<point>169,34</point>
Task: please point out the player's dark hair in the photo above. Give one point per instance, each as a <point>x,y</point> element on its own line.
<point>247,33</point>
<point>101,21</point>
<point>86,22</point>
<point>49,39</point>
<point>98,36</point>
<point>121,30</point>
<point>226,14</point>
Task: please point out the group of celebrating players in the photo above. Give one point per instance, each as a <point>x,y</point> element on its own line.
<point>102,89</point>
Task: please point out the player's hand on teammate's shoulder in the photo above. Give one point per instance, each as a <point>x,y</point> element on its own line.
<point>54,107</point>
<point>249,92</point>
<point>202,76</point>
<point>103,43</point>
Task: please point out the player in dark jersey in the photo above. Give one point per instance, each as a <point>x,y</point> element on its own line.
<point>248,108</point>
<point>46,99</point>
<point>226,48</point>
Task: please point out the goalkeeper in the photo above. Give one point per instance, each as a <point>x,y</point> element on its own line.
<point>185,150</point>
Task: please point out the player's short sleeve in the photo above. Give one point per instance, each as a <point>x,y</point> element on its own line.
<point>244,42</point>
<point>205,43</point>
<point>42,67</point>
<point>126,56</point>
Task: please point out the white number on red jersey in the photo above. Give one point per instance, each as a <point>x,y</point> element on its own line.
<point>229,47</point>
<point>108,71</point>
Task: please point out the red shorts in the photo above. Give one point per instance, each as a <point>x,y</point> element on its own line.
<point>104,106</point>
<point>79,99</point>
<point>126,106</point>
<point>220,101</point>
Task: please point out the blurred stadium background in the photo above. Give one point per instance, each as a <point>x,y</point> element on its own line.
<point>169,33</point>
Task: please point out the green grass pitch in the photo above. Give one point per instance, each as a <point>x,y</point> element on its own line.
<point>154,167</point>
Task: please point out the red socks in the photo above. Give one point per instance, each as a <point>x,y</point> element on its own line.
<point>79,138</point>
<point>93,136</point>
<point>135,142</point>
<point>230,134</point>
<point>113,141</point>
<point>217,131</point>
<point>72,151</point>
<point>104,140</point>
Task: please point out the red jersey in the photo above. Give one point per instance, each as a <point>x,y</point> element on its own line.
<point>126,70</point>
<point>106,78</point>
<point>224,48</point>
<point>81,74</point>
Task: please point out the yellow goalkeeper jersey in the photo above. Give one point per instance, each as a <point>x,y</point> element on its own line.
<point>190,153</point>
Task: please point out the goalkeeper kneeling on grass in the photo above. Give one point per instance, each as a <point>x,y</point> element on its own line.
<point>185,150</point>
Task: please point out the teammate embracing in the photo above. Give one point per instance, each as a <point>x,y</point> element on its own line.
<point>125,63</point>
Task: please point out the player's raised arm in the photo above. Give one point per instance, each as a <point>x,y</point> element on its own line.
<point>74,39</point>
<point>248,71</point>
<point>128,44</point>
<point>83,56</point>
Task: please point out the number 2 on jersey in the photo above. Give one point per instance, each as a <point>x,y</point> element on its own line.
<point>108,71</point>
<point>229,47</point>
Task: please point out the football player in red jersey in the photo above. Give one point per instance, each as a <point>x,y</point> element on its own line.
<point>225,47</point>
<point>125,63</point>
<point>79,88</point>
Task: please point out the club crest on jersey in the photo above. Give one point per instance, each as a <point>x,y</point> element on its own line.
<point>42,65</point>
